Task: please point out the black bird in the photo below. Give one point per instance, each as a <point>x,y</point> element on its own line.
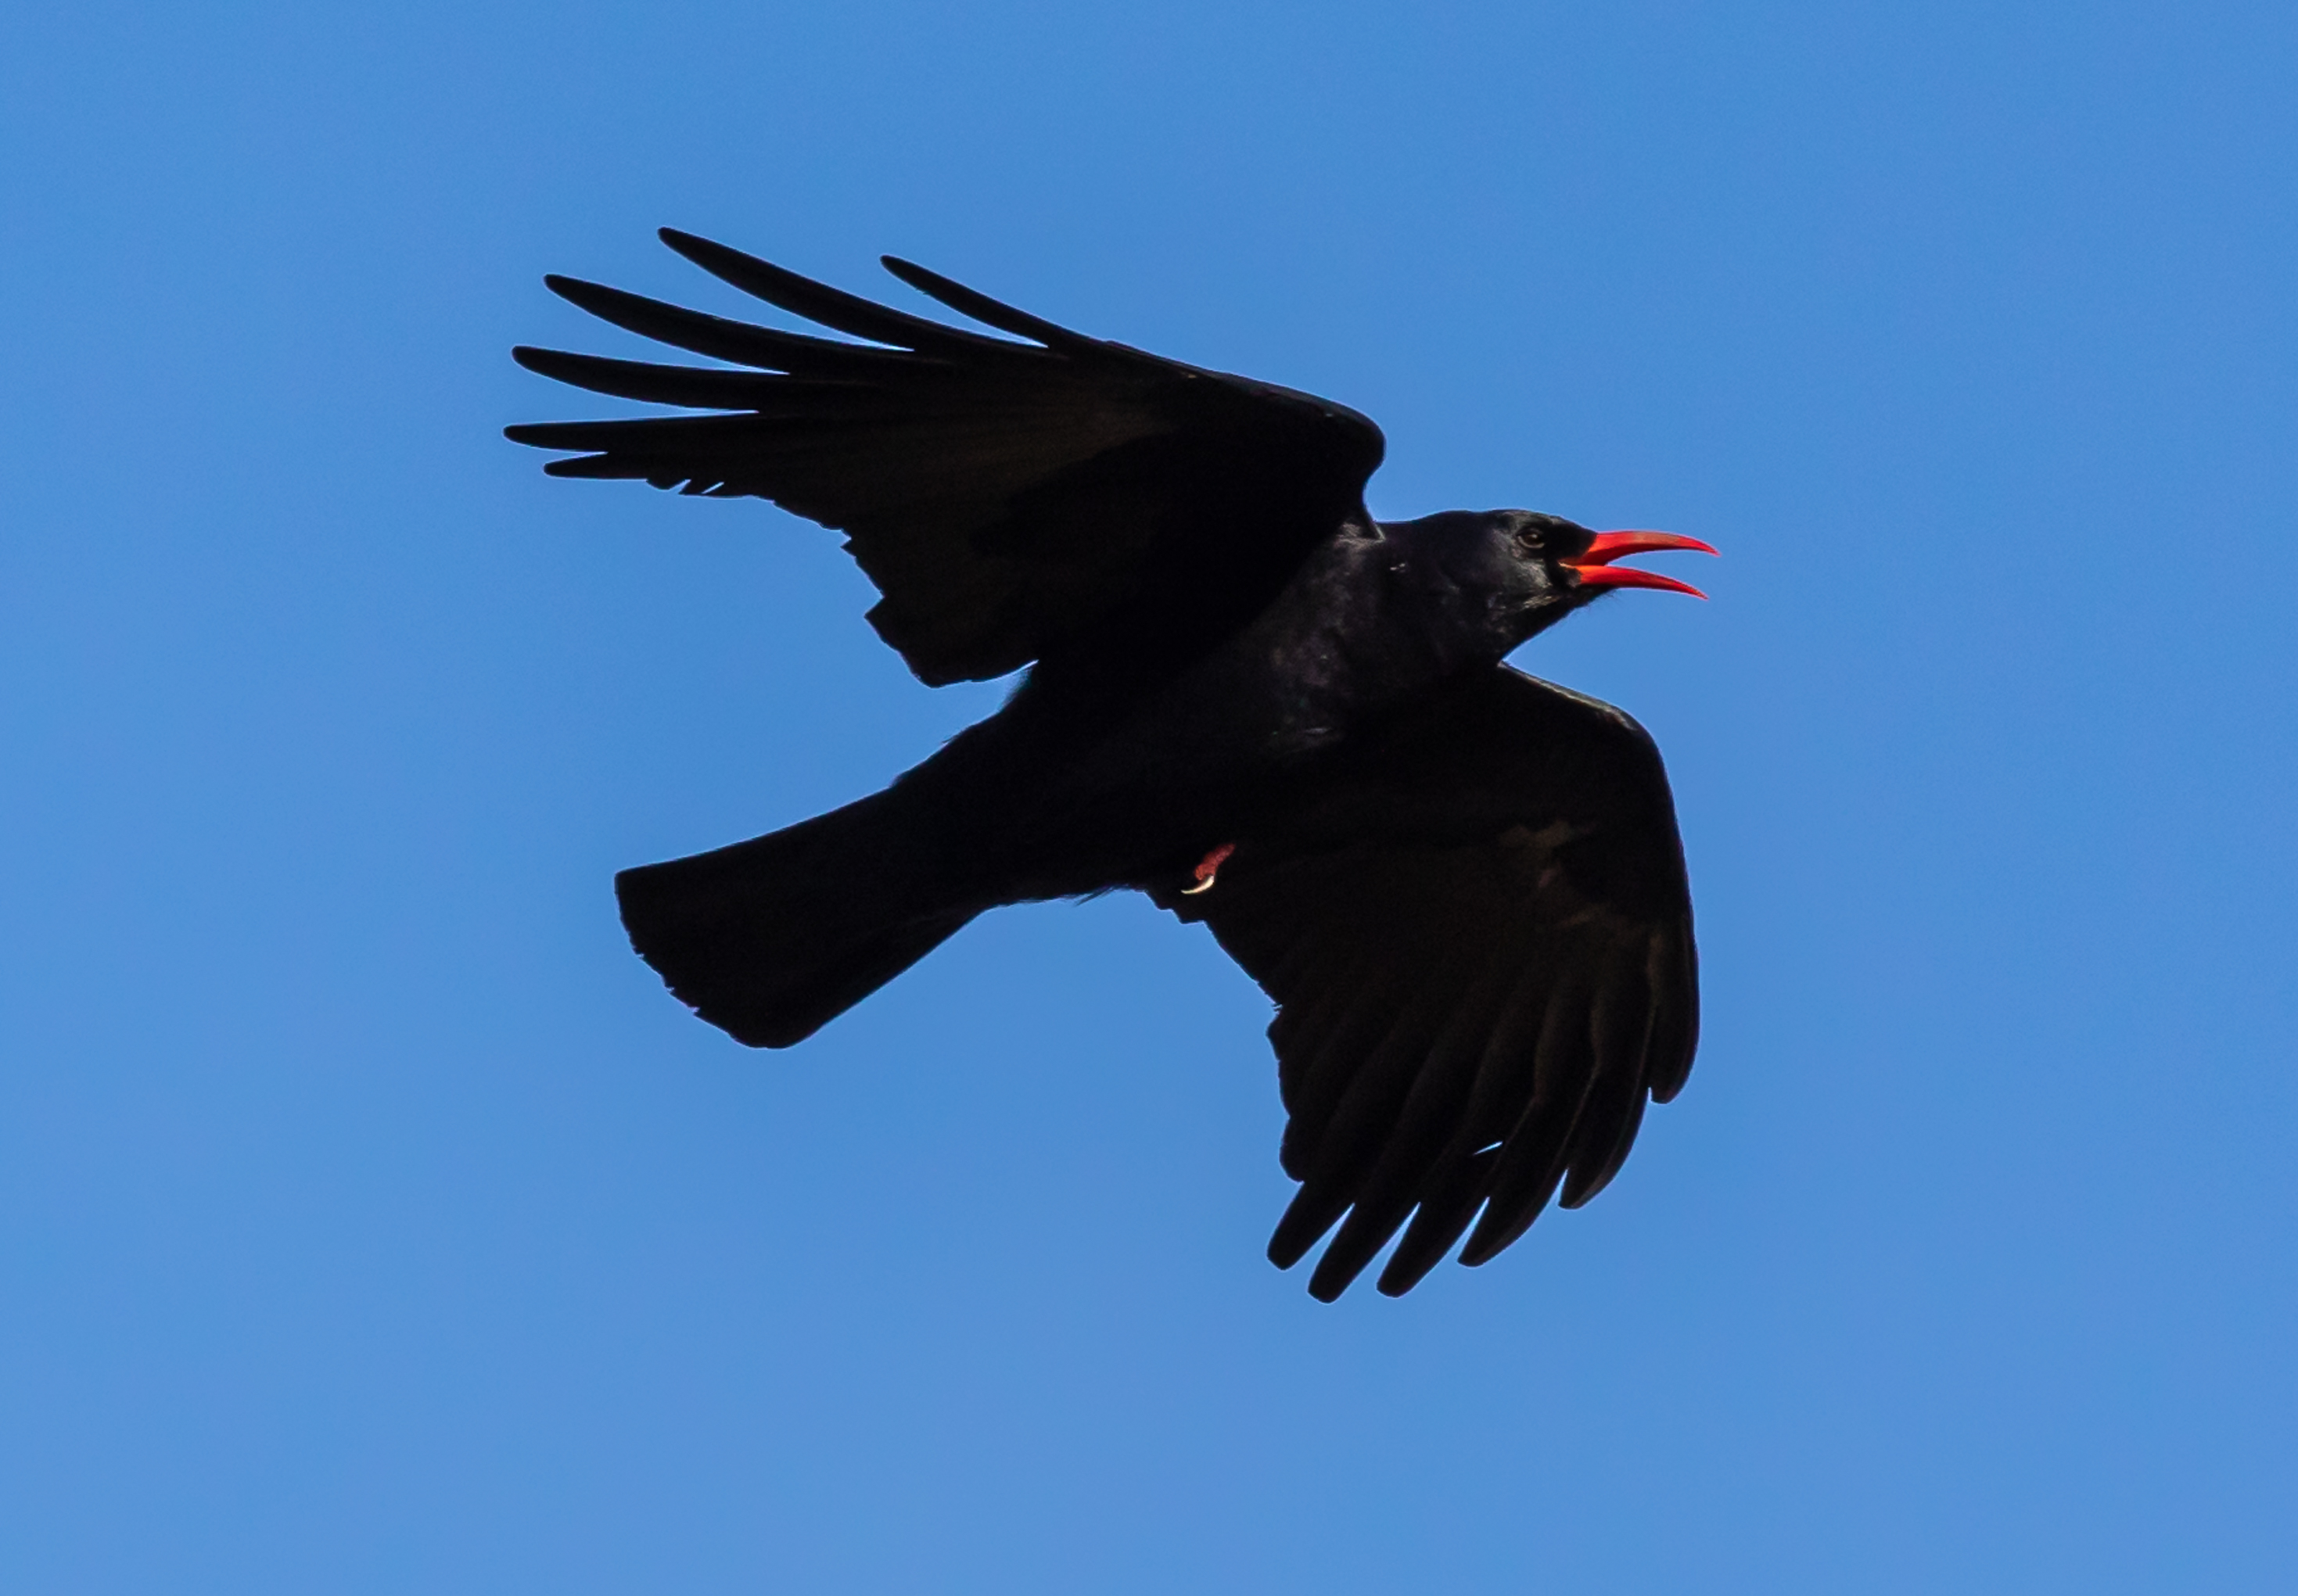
<point>1462,887</point>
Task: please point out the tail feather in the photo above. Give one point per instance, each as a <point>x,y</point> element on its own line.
<point>772,938</point>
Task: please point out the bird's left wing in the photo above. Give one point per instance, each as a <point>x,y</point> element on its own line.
<point>1035,496</point>
<point>1477,931</point>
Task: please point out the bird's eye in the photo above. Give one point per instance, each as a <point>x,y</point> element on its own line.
<point>1529,537</point>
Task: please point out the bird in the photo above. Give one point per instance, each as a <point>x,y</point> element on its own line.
<point>1463,887</point>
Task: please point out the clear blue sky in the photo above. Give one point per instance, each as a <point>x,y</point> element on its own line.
<point>370,1221</point>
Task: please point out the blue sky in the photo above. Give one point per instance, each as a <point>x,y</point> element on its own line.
<point>371,1222</point>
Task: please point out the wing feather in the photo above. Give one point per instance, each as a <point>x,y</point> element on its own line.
<point>1013,501</point>
<point>832,308</point>
<point>720,337</point>
<point>1476,927</point>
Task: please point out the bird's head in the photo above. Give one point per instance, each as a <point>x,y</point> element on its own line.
<point>1532,570</point>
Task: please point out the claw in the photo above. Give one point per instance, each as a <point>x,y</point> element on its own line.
<point>1207,868</point>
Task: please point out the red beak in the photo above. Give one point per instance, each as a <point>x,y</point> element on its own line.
<point>1594,569</point>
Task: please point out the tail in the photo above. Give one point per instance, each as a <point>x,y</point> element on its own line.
<point>772,938</point>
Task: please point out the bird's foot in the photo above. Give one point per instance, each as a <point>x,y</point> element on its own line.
<point>1207,868</point>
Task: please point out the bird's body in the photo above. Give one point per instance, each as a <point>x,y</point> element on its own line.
<point>1075,788</point>
<point>1246,698</point>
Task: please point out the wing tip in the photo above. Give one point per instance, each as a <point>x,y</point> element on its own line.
<point>596,298</point>
<point>1307,1218</point>
<point>715,258</point>
<point>978,306</point>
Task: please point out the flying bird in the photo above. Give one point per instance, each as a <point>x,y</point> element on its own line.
<point>1462,887</point>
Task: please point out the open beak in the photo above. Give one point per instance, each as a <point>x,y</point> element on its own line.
<point>1594,569</point>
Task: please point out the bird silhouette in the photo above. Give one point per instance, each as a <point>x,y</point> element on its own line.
<point>1462,887</point>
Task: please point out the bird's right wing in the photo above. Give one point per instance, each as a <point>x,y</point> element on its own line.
<point>1477,931</point>
<point>1013,500</point>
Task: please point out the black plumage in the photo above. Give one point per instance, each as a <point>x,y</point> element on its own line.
<point>1462,887</point>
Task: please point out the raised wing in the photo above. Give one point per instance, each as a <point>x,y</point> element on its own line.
<point>1012,501</point>
<point>1478,935</point>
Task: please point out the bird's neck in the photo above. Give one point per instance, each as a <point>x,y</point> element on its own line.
<point>1425,619</point>
<point>1369,622</point>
